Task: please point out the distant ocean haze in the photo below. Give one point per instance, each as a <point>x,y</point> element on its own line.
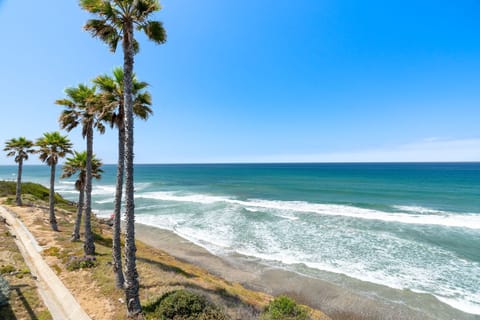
<point>406,226</point>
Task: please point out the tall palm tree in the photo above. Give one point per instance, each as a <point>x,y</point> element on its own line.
<point>83,108</point>
<point>112,90</point>
<point>19,148</point>
<point>52,146</point>
<point>78,163</point>
<point>116,20</point>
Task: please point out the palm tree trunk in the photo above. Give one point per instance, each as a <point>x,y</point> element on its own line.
<point>78,220</point>
<point>134,308</point>
<point>18,195</point>
<point>89,245</point>
<point>51,198</point>
<point>117,250</point>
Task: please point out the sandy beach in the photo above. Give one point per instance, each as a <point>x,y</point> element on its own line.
<point>336,301</point>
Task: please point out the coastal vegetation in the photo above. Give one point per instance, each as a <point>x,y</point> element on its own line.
<point>112,89</point>
<point>284,308</point>
<point>19,298</point>
<point>183,305</point>
<point>115,21</point>
<point>51,147</point>
<point>19,148</point>
<point>162,275</point>
<point>83,107</point>
<point>78,164</point>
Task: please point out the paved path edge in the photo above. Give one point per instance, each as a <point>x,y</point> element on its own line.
<point>59,300</point>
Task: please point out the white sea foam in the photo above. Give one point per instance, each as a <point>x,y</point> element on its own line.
<point>415,215</point>
<point>103,190</point>
<point>373,256</point>
<point>171,196</point>
<point>66,182</point>
<point>420,210</point>
<point>417,279</point>
<point>103,201</point>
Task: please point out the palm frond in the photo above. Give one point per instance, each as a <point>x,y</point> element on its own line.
<point>93,6</point>
<point>104,31</point>
<point>155,31</point>
<point>146,7</point>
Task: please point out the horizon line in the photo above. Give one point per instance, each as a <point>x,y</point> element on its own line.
<point>279,162</point>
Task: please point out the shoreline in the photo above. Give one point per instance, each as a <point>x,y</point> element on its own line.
<point>337,301</point>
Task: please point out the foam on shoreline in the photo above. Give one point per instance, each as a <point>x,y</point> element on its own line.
<point>337,295</point>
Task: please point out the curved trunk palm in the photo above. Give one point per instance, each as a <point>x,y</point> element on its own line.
<point>51,198</point>
<point>89,245</point>
<point>18,192</point>
<point>116,250</point>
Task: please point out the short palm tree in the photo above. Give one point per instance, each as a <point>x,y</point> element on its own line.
<point>112,90</point>
<point>116,21</point>
<point>74,165</point>
<point>52,146</point>
<point>19,148</point>
<point>83,108</point>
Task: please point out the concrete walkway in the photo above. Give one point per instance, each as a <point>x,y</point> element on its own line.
<point>58,299</point>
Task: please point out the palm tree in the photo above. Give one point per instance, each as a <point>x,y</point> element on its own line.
<point>19,148</point>
<point>83,108</point>
<point>112,91</point>
<point>78,163</point>
<point>116,22</point>
<point>53,146</point>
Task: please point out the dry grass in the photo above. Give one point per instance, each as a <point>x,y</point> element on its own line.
<point>25,302</point>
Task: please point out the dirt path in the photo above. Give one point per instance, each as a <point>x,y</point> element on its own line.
<point>57,297</point>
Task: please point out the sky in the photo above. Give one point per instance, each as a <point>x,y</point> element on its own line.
<point>263,81</point>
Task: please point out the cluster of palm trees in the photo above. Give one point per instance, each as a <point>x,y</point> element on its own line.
<point>113,101</point>
<point>51,147</point>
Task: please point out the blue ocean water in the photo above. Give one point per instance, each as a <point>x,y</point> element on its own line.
<point>405,226</point>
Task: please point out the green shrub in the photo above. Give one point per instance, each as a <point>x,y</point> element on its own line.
<point>284,308</point>
<point>8,188</point>
<point>4,291</point>
<point>7,269</point>
<point>76,263</point>
<point>184,305</point>
<point>52,252</point>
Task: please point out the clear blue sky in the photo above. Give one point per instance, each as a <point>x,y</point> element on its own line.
<point>247,81</point>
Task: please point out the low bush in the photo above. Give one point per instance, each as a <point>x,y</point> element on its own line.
<point>8,188</point>
<point>4,291</point>
<point>52,252</point>
<point>284,308</point>
<point>7,269</point>
<point>183,305</point>
<point>76,263</point>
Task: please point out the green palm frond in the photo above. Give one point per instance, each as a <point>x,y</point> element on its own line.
<point>155,31</point>
<point>52,146</point>
<point>19,148</point>
<point>146,7</point>
<point>112,15</point>
<point>104,31</point>
<point>112,91</point>
<point>93,6</point>
<point>83,107</point>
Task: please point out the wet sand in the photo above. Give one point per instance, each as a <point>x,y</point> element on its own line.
<point>367,301</point>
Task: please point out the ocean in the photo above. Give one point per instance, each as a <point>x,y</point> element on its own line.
<point>414,227</point>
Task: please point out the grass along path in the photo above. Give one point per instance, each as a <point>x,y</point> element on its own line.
<point>57,297</point>
<point>25,300</point>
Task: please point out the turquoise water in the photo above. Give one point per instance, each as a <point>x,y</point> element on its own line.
<point>405,226</point>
